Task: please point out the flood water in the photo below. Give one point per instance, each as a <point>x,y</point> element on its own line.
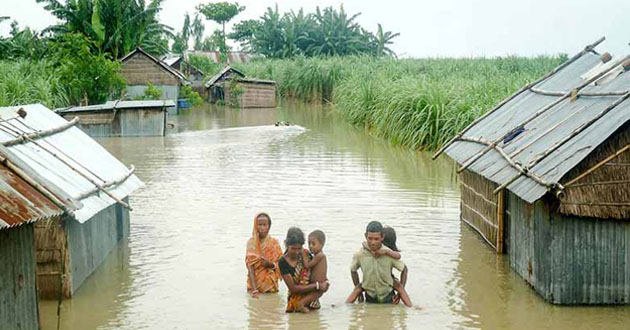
<point>183,264</point>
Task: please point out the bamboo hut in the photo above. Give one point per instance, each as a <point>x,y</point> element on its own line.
<point>140,69</point>
<point>21,205</point>
<point>231,86</point>
<point>121,118</point>
<point>544,178</point>
<point>79,174</point>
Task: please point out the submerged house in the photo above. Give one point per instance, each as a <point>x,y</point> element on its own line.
<point>21,204</point>
<point>194,75</point>
<point>140,69</point>
<point>121,118</point>
<point>231,86</point>
<point>81,177</point>
<point>545,178</point>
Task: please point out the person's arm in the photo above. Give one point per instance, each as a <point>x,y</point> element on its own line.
<point>388,252</point>
<point>403,277</point>
<point>313,262</point>
<point>252,280</point>
<point>355,278</point>
<point>295,288</point>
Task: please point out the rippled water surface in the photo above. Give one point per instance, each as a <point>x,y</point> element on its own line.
<point>183,265</point>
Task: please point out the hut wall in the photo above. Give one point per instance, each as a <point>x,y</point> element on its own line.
<point>126,122</point>
<point>568,259</point>
<point>139,71</point>
<point>52,259</point>
<point>479,205</point>
<point>90,243</point>
<point>255,95</point>
<point>604,192</point>
<point>18,293</point>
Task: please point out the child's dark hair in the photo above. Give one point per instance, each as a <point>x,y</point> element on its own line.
<point>294,236</point>
<point>390,238</point>
<point>318,235</point>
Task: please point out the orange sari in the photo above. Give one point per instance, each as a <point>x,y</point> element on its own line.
<point>266,278</point>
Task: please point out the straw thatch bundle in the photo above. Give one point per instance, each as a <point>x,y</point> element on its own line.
<point>600,185</point>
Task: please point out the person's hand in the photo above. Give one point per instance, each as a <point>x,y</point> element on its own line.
<point>379,253</point>
<point>255,293</point>
<point>267,263</point>
<point>323,286</point>
<point>396,299</point>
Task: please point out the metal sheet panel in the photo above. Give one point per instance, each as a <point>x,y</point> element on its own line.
<point>18,291</point>
<point>21,203</point>
<point>547,130</point>
<point>120,105</point>
<point>76,148</point>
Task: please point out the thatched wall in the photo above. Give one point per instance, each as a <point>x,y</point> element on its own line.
<point>141,70</point>
<point>52,259</point>
<point>254,95</point>
<point>604,192</point>
<point>479,205</point>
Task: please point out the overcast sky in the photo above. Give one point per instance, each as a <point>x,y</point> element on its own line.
<point>444,28</point>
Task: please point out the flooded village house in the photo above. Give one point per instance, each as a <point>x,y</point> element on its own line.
<point>231,86</point>
<point>544,178</point>
<point>195,75</point>
<point>21,205</point>
<point>140,69</point>
<point>121,118</point>
<point>78,175</point>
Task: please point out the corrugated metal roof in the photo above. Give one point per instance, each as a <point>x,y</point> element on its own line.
<point>222,73</point>
<point>21,203</point>
<point>258,81</point>
<point>171,60</point>
<point>90,160</point>
<point>552,128</point>
<point>215,56</point>
<point>110,105</point>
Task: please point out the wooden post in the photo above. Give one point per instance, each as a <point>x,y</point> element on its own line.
<point>500,220</point>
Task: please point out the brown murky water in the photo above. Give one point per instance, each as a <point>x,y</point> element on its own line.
<point>183,265</point>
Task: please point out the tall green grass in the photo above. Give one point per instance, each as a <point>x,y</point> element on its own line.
<point>417,103</point>
<point>26,82</point>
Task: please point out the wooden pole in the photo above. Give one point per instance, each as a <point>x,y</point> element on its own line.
<point>586,49</point>
<point>40,134</point>
<point>500,220</point>
<point>598,165</point>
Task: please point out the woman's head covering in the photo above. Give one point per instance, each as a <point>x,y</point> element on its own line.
<point>390,238</point>
<point>255,230</point>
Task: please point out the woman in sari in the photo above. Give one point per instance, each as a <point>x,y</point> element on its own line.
<point>302,296</point>
<point>261,258</point>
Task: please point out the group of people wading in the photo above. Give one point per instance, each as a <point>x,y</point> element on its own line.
<point>304,271</point>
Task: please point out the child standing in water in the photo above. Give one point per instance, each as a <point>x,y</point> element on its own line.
<point>319,264</point>
<point>392,251</point>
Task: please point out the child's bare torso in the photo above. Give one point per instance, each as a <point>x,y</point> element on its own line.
<point>318,273</point>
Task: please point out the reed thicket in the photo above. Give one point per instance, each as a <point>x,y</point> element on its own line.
<point>417,103</point>
<point>26,82</point>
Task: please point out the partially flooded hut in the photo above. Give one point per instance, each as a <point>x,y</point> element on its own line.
<point>76,172</point>
<point>544,178</point>
<point>140,69</point>
<point>21,204</point>
<point>231,86</point>
<point>121,118</point>
<point>195,76</point>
